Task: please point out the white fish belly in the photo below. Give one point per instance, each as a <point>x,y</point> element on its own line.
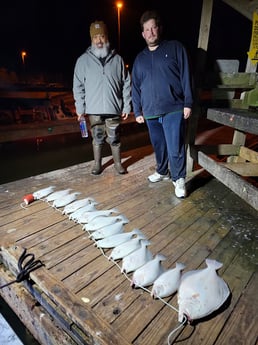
<point>107,231</point>
<point>76,205</point>
<point>42,193</point>
<point>124,249</point>
<point>200,293</point>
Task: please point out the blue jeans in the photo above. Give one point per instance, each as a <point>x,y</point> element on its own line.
<point>167,135</point>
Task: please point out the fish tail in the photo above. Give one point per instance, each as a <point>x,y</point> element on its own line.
<point>180,266</point>
<point>213,264</point>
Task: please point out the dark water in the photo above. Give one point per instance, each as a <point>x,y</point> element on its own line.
<point>26,158</point>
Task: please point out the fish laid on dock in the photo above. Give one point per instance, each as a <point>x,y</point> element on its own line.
<point>75,205</point>
<point>42,193</point>
<point>126,248</point>
<point>65,200</point>
<point>58,194</point>
<point>76,214</point>
<point>148,273</point>
<point>138,258</point>
<point>115,240</point>
<point>101,221</point>
<point>87,217</point>
<point>201,292</point>
<point>168,282</point>
<point>108,230</point>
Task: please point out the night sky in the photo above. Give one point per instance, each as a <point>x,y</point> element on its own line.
<point>54,33</point>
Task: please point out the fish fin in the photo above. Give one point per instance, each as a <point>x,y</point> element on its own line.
<point>213,264</point>
<point>161,257</point>
<point>123,218</point>
<point>180,266</point>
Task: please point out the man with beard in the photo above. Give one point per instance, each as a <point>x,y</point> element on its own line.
<point>162,96</point>
<point>102,90</point>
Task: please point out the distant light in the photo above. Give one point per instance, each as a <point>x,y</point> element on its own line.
<point>23,55</point>
<point>119,4</point>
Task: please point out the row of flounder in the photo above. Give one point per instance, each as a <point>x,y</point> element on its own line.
<point>200,292</point>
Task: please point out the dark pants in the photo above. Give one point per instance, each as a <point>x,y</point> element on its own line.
<point>105,128</point>
<point>167,135</point>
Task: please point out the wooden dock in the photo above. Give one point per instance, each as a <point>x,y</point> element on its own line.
<point>81,297</point>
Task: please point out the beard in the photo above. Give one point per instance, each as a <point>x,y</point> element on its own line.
<point>100,52</point>
<point>153,42</point>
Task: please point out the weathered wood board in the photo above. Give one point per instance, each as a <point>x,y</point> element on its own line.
<point>91,300</point>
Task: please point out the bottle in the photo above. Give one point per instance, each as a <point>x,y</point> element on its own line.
<point>83,128</point>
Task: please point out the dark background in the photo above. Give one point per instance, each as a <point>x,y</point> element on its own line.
<point>54,33</point>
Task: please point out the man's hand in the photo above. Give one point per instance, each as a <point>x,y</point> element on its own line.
<point>139,119</point>
<point>124,116</point>
<point>80,117</point>
<point>187,113</point>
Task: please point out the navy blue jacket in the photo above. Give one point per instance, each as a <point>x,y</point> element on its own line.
<point>161,80</point>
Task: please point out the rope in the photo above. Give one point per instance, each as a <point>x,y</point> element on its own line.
<point>26,264</point>
<point>176,329</point>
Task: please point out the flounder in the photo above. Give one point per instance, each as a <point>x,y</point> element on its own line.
<point>75,205</point>
<point>42,193</point>
<point>101,221</point>
<point>115,240</point>
<point>108,231</point>
<point>148,273</point>
<point>120,251</point>
<point>65,200</point>
<point>168,282</point>
<point>87,217</point>
<point>137,258</point>
<point>76,215</point>
<point>58,194</point>
<point>201,292</point>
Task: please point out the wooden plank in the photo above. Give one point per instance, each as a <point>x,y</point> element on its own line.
<point>238,266</point>
<point>240,119</point>
<point>243,189</point>
<point>218,150</point>
<point>245,318</point>
<point>239,138</point>
<point>248,154</point>
<point>23,226</point>
<point>205,24</point>
<point>206,224</point>
<point>203,41</point>
<point>34,317</point>
<point>243,169</point>
<point>236,80</point>
<point>242,6</point>
<point>78,312</point>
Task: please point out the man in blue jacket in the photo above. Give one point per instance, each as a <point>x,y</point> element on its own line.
<point>162,96</point>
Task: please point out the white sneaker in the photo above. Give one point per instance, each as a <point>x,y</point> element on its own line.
<point>180,189</point>
<point>156,177</point>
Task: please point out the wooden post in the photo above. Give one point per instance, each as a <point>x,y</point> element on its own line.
<point>203,41</point>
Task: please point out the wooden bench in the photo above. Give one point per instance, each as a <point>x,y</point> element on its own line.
<point>245,162</point>
<point>225,99</point>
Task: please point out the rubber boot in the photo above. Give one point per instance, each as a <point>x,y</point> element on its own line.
<point>117,159</point>
<point>97,169</point>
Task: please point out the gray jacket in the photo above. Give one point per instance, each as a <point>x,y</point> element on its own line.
<point>99,89</point>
